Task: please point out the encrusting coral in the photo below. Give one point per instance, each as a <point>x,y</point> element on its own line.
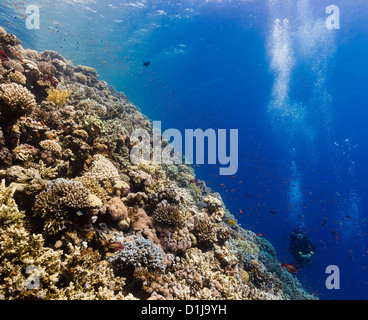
<point>79,221</point>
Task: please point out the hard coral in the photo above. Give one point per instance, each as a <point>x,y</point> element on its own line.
<point>58,96</point>
<point>9,213</point>
<point>51,145</point>
<point>102,169</point>
<point>60,203</point>
<point>118,212</point>
<point>18,98</point>
<point>171,215</point>
<point>138,253</point>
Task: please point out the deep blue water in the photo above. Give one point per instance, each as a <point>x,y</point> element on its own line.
<point>296,91</point>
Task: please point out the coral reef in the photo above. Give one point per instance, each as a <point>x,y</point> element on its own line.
<point>79,221</point>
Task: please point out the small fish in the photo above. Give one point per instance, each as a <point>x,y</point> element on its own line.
<point>194,181</point>
<point>232,222</point>
<point>324,222</point>
<point>3,56</point>
<point>146,64</point>
<point>260,235</point>
<point>289,267</point>
<point>79,213</point>
<point>249,195</point>
<point>96,128</point>
<point>51,79</point>
<point>104,62</point>
<point>273,212</point>
<point>115,245</point>
<point>19,57</point>
<point>126,190</point>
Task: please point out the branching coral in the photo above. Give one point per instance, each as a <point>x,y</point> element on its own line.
<point>89,278</point>
<point>9,213</point>
<point>60,203</point>
<point>171,215</point>
<point>214,206</point>
<point>18,98</point>
<point>138,253</point>
<point>204,230</point>
<point>22,252</point>
<point>25,152</point>
<point>58,96</point>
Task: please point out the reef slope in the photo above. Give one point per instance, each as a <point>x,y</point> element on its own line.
<point>80,221</point>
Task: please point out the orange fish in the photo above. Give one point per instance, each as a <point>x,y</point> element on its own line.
<point>289,267</point>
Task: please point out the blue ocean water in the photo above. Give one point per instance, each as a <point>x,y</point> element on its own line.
<point>294,89</point>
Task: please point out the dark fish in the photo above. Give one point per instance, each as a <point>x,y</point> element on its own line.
<point>273,212</point>
<point>146,64</point>
<point>194,181</point>
<point>324,222</point>
<point>249,195</point>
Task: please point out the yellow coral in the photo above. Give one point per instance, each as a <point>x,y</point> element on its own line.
<point>58,96</point>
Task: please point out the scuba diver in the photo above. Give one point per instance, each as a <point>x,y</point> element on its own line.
<point>301,248</point>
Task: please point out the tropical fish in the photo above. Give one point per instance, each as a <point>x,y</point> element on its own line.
<point>51,79</point>
<point>146,64</point>
<point>232,222</point>
<point>273,212</point>
<point>289,267</point>
<point>260,235</point>
<point>3,56</point>
<point>324,222</point>
<point>114,245</point>
<point>96,128</point>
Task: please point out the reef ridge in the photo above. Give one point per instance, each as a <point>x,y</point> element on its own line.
<point>80,221</point>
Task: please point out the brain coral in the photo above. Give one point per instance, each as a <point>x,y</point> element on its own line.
<point>18,98</point>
